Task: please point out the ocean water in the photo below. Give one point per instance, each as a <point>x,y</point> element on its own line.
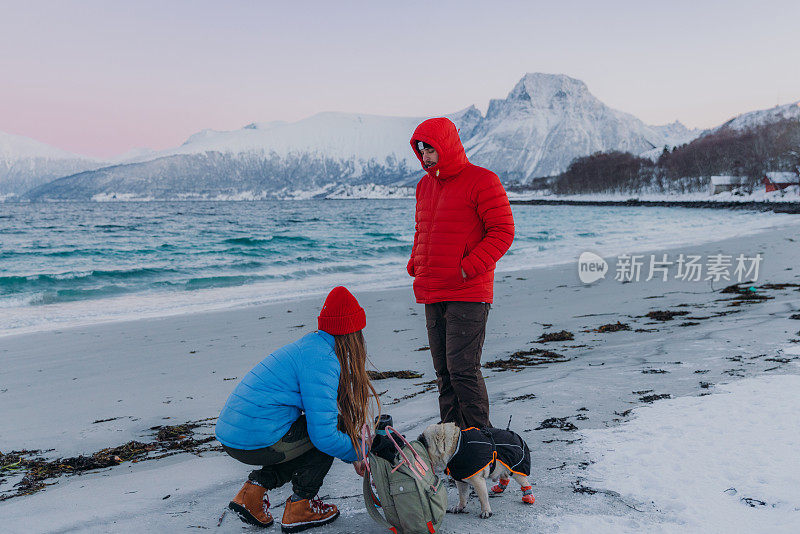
<point>64,264</point>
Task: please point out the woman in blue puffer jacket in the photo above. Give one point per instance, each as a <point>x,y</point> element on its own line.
<point>295,411</point>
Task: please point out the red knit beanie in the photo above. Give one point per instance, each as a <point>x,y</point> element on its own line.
<point>341,313</point>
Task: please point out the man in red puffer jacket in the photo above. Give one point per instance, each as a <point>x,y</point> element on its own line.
<point>463,227</point>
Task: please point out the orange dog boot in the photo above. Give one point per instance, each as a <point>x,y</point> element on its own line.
<point>527,495</point>
<point>251,504</point>
<point>501,485</point>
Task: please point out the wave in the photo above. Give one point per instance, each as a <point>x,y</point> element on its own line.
<point>542,235</point>
<point>110,228</point>
<point>384,236</point>
<point>404,249</point>
<point>222,281</point>
<point>248,252</point>
<point>82,252</point>
<point>256,241</point>
<point>15,284</point>
<point>312,219</point>
<point>76,294</point>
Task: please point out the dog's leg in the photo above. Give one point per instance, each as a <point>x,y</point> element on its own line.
<point>526,487</point>
<point>501,485</point>
<point>479,483</point>
<point>463,495</point>
<point>501,474</point>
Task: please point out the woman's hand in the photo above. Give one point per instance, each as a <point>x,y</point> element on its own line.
<point>360,467</point>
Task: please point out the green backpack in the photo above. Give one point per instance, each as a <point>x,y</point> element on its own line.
<point>413,498</point>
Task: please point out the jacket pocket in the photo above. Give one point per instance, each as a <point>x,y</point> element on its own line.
<point>464,253</point>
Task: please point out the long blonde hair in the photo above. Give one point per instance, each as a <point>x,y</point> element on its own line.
<point>355,387</point>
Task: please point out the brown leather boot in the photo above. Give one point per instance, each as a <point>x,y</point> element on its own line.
<point>307,513</point>
<point>252,505</point>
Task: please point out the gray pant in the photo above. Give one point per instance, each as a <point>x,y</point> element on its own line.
<point>293,458</point>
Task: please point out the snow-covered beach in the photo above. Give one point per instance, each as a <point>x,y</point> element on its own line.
<point>611,452</point>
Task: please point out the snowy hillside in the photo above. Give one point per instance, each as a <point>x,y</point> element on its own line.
<point>134,155</point>
<point>26,163</point>
<point>343,136</point>
<point>761,117</point>
<point>548,120</point>
<point>676,133</point>
<point>545,122</point>
<point>264,160</point>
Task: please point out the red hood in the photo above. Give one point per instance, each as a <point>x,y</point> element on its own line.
<point>442,135</point>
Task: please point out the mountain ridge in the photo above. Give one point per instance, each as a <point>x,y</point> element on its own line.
<point>545,122</point>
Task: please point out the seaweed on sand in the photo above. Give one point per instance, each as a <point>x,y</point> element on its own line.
<point>559,423</point>
<point>37,470</point>
<point>404,374</point>
<point>664,315</point>
<point>562,335</point>
<point>747,293</point>
<point>782,285</point>
<point>427,386</point>
<point>527,396</point>
<point>612,327</point>
<point>526,358</point>
<point>653,398</point>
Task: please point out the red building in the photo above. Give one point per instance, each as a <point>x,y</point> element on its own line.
<point>773,181</point>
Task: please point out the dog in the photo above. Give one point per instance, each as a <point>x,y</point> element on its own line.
<point>473,456</point>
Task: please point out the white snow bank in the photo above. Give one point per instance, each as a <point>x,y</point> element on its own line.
<point>371,191</point>
<point>720,463</point>
<point>789,194</point>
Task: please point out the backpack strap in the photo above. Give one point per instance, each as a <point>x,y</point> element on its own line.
<point>418,468</point>
<point>372,510</point>
<point>363,453</point>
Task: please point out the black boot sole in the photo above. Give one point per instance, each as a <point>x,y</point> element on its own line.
<point>247,517</point>
<point>306,526</point>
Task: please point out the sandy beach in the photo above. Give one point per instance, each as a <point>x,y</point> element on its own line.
<point>76,391</point>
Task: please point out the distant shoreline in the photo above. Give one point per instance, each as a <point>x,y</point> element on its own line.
<point>777,207</point>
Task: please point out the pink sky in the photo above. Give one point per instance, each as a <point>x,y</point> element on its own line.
<point>102,77</point>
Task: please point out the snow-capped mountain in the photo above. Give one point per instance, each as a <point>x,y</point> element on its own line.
<point>26,163</point>
<point>134,155</point>
<point>676,133</point>
<point>343,136</point>
<point>761,117</point>
<point>263,160</point>
<point>467,120</point>
<point>545,122</point>
<point>548,120</point>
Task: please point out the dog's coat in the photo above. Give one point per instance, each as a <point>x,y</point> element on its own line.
<point>474,456</point>
<point>478,448</point>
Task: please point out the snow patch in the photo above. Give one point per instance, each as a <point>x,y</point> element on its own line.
<point>789,194</point>
<point>762,117</point>
<point>371,191</point>
<point>720,463</point>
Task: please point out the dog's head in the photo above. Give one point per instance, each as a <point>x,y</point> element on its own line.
<point>441,441</point>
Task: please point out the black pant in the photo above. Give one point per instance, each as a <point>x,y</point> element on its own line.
<point>293,458</point>
<point>456,331</point>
